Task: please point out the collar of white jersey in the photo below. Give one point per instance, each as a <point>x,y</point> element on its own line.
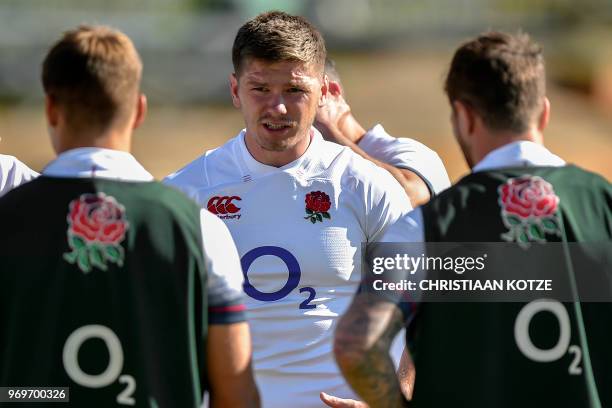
<point>94,162</point>
<point>255,168</point>
<point>519,154</point>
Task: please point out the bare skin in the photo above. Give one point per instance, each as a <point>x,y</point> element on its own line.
<point>278,101</point>
<point>337,124</point>
<point>361,348</point>
<point>229,367</point>
<point>117,136</point>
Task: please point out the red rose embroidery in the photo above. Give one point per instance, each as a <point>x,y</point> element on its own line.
<point>529,197</point>
<point>317,206</point>
<point>97,225</point>
<point>96,218</point>
<point>529,209</point>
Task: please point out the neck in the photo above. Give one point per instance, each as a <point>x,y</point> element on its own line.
<point>277,158</point>
<point>351,129</point>
<point>113,139</point>
<point>494,140</point>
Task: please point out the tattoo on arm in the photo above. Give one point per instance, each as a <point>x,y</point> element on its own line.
<point>363,338</point>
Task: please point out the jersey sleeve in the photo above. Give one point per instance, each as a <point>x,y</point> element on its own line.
<point>225,293</point>
<point>13,173</point>
<point>385,200</point>
<point>409,154</point>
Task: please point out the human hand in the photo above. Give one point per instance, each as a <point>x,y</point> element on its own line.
<point>331,115</point>
<point>336,402</point>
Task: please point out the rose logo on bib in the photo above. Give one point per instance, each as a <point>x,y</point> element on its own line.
<point>528,209</point>
<point>96,227</point>
<point>317,206</point>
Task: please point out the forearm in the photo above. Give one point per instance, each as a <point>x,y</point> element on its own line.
<point>229,367</point>
<point>361,346</point>
<point>373,377</point>
<point>413,185</point>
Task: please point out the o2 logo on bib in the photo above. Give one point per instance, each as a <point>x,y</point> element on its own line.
<point>112,373</point>
<point>293,280</point>
<point>533,353</point>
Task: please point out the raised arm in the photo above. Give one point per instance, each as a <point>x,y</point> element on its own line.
<point>337,124</point>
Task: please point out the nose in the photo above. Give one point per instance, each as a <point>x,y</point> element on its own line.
<point>278,105</point>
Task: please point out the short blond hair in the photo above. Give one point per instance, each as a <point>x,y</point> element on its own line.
<point>277,36</point>
<point>94,73</point>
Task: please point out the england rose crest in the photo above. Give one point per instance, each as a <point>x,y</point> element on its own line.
<point>96,227</point>
<point>317,206</point>
<point>528,209</point>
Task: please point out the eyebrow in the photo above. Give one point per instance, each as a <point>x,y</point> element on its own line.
<point>293,82</point>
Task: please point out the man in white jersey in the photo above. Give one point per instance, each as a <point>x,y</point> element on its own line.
<point>298,207</point>
<point>415,166</point>
<point>13,173</point>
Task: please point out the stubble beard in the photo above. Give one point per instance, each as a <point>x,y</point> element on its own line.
<point>281,145</point>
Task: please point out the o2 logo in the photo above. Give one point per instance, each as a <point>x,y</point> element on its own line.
<point>529,350</point>
<point>293,280</point>
<point>112,371</point>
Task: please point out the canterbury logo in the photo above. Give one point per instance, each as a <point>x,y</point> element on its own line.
<point>223,205</point>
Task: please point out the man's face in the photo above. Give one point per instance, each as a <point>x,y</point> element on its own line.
<point>278,101</point>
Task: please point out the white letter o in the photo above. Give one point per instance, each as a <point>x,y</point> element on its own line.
<point>521,330</point>
<point>71,356</point>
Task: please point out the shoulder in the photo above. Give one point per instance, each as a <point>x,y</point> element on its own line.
<point>586,178</point>
<point>8,162</point>
<point>13,173</point>
<point>207,169</point>
<point>367,173</point>
<point>13,163</point>
<point>192,173</point>
<point>373,187</point>
<point>406,153</point>
<point>172,200</point>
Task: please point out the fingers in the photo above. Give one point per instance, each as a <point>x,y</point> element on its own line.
<point>336,402</point>
<point>331,401</point>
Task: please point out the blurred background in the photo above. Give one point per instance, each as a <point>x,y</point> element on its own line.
<point>392,56</point>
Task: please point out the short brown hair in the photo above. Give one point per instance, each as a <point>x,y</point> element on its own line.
<point>94,73</point>
<point>278,36</point>
<point>502,77</point>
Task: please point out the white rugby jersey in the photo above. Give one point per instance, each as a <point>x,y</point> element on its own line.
<point>302,267</point>
<point>405,153</point>
<point>13,173</point>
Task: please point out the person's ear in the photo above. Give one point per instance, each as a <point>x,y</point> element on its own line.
<point>234,90</point>
<point>324,90</point>
<point>544,115</point>
<point>141,111</point>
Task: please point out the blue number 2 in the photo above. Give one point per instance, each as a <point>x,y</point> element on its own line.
<point>292,281</point>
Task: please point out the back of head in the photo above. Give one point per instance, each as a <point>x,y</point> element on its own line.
<point>93,73</point>
<point>276,36</point>
<point>502,77</point>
